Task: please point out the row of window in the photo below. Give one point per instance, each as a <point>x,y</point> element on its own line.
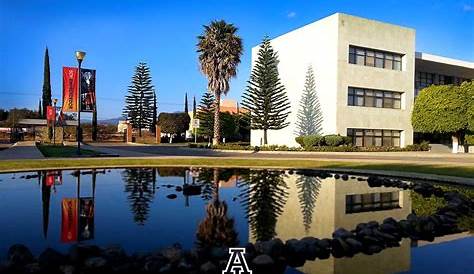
<point>373,98</point>
<point>372,202</point>
<point>375,58</point>
<point>426,79</point>
<point>374,137</point>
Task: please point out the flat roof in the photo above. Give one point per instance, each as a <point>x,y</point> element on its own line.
<point>443,60</point>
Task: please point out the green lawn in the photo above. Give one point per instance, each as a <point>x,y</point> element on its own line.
<point>64,151</point>
<point>12,165</point>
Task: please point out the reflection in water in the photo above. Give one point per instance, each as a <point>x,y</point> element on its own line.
<point>308,189</point>
<point>45,200</point>
<point>264,196</point>
<point>140,186</point>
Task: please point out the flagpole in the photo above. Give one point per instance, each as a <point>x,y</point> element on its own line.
<point>79,56</point>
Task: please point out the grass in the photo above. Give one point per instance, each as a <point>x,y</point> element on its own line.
<point>24,165</point>
<point>64,151</point>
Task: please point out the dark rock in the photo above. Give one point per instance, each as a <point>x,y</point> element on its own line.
<point>114,253</point>
<point>179,188</point>
<point>339,248</point>
<point>345,177</point>
<point>374,181</point>
<point>274,248</point>
<point>412,217</point>
<point>312,248</point>
<point>355,245</point>
<point>208,268</point>
<point>371,249</point>
<point>95,262</point>
<point>263,262</point>
<point>51,259</point>
<point>373,224</point>
<point>19,254</point>
<point>154,265</point>
<point>32,268</point>
<point>325,243</point>
<point>171,196</point>
<point>173,254</point>
<point>295,252</point>
<point>80,252</point>
<point>360,179</point>
<point>342,233</point>
<point>67,269</point>
<point>337,176</point>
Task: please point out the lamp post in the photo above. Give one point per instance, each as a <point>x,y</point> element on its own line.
<point>79,56</point>
<point>54,122</point>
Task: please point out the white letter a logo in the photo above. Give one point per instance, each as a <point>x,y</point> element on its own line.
<point>237,263</point>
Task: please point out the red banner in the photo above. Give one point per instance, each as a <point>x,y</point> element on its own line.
<point>69,220</point>
<point>50,114</point>
<point>70,89</point>
<point>54,178</point>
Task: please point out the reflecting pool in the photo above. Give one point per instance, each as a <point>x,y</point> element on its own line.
<point>145,209</point>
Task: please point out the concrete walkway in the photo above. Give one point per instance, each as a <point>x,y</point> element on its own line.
<point>21,150</point>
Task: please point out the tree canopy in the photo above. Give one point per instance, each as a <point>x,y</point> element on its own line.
<point>309,117</point>
<point>174,123</point>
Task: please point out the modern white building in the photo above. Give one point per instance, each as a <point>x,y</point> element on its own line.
<point>367,76</point>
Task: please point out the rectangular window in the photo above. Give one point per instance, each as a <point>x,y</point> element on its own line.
<point>356,203</point>
<point>373,98</point>
<point>375,58</point>
<point>374,137</point>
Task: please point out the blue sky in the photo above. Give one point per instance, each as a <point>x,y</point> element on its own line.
<point>118,34</point>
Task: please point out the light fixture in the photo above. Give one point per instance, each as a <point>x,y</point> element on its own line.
<point>80,55</point>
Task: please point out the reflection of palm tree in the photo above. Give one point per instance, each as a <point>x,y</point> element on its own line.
<point>264,196</point>
<point>308,190</point>
<point>205,179</point>
<point>139,185</point>
<point>216,229</point>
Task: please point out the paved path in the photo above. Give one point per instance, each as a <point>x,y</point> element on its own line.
<point>21,150</point>
<point>126,150</point>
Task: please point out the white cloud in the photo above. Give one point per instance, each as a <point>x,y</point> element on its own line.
<point>291,14</point>
<point>467,7</point>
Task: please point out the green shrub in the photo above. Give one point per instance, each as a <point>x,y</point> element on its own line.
<point>469,139</point>
<point>333,140</point>
<point>300,140</point>
<point>312,140</point>
<point>347,140</point>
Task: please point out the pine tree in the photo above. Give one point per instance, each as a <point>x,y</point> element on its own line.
<point>139,185</point>
<point>138,109</point>
<point>153,124</point>
<point>308,190</point>
<point>46,84</point>
<point>309,117</point>
<point>206,115</point>
<point>265,97</point>
<point>186,102</point>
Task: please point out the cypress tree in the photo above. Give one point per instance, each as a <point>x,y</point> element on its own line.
<point>186,102</point>
<point>138,107</point>
<point>205,114</point>
<point>40,111</point>
<point>265,97</point>
<point>46,84</point>
<point>309,117</point>
<point>194,107</point>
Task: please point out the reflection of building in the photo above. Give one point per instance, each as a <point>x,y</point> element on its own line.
<point>332,211</point>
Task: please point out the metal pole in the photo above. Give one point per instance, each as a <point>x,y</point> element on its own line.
<point>54,124</point>
<point>78,137</point>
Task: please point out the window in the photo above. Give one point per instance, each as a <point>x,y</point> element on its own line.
<point>374,137</point>
<point>373,98</point>
<point>356,203</point>
<point>375,58</point>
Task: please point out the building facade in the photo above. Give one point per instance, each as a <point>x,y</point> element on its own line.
<point>367,76</point>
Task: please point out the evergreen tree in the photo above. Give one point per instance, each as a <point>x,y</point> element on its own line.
<point>309,117</point>
<point>264,196</point>
<point>153,124</point>
<point>46,84</point>
<point>308,190</point>
<point>40,111</point>
<point>138,109</point>
<point>140,187</point>
<point>265,97</point>
<point>206,115</point>
<point>186,102</point>
<point>194,107</point>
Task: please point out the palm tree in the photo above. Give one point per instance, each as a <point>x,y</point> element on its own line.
<point>219,51</point>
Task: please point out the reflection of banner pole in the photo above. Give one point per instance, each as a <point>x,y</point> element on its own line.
<point>69,221</point>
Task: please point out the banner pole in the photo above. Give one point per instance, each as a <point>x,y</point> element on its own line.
<point>78,137</point>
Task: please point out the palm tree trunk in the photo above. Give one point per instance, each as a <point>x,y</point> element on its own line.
<point>216,184</point>
<point>217,120</point>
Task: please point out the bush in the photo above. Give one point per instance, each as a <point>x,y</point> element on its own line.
<point>347,140</point>
<point>312,140</point>
<point>333,140</point>
<point>300,140</point>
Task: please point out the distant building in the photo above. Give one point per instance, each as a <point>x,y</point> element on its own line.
<point>367,76</point>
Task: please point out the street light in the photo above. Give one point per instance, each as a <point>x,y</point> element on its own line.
<point>54,122</point>
<point>79,56</point>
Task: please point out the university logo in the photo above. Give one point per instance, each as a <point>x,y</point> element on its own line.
<point>237,263</point>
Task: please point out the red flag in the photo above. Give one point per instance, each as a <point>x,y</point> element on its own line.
<point>50,114</point>
<point>70,89</point>
<point>69,220</point>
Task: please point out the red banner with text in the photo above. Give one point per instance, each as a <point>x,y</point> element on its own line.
<point>70,89</point>
<point>69,220</point>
